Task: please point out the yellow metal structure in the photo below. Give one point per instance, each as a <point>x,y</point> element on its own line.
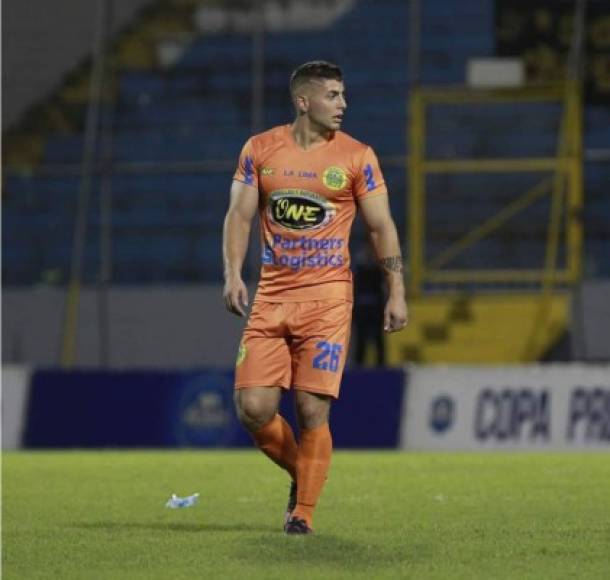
<point>503,327</point>
<point>566,166</point>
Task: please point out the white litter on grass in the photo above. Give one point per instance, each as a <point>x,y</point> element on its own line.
<point>176,502</point>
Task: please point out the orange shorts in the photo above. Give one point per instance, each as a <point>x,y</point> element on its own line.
<point>298,344</point>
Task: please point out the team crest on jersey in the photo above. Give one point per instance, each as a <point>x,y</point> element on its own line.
<point>241,354</point>
<point>267,171</point>
<point>334,178</point>
<point>299,209</point>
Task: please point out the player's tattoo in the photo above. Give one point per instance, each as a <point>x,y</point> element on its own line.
<point>391,263</point>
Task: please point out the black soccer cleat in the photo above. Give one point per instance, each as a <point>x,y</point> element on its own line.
<point>292,501</point>
<point>296,526</point>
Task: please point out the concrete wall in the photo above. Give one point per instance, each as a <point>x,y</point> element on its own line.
<point>42,40</point>
<point>188,326</point>
<point>149,327</point>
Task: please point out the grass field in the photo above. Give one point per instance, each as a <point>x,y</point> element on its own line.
<point>383,515</point>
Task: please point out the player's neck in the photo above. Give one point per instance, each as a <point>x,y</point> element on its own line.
<point>307,135</point>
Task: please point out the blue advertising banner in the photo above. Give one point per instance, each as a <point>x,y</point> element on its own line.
<point>368,412</point>
<point>190,409</point>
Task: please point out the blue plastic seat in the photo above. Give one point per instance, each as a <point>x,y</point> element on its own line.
<point>167,224</point>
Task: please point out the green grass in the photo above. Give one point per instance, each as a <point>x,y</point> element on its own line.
<point>91,515</point>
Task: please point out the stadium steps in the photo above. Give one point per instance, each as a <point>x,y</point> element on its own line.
<point>487,329</point>
<point>134,49</point>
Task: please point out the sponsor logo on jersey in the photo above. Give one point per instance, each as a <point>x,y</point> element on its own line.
<point>334,178</point>
<point>298,209</point>
<point>267,171</point>
<point>300,173</point>
<point>303,252</point>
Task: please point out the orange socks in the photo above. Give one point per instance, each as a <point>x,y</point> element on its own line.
<point>312,464</point>
<point>276,440</point>
<point>307,464</point>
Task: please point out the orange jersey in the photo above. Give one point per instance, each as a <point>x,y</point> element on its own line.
<point>307,203</point>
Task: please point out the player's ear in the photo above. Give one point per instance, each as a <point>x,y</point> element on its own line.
<point>302,103</point>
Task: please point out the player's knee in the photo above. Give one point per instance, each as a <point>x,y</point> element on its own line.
<point>312,410</point>
<point>253,411</point>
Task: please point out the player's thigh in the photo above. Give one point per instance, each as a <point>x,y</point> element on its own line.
<point>262,362</point>
<point>320,352</point>
<point>263,359</point>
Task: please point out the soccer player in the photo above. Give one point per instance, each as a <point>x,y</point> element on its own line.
<point>306,181</point>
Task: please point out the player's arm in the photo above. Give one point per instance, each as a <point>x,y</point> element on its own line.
<point>236,234</point>
<point>384,238</point>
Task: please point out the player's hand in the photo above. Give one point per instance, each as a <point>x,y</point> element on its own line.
<point>396,314</point>
<point>235,295</point>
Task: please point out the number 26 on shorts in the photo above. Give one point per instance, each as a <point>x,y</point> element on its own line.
<point>328,359</point>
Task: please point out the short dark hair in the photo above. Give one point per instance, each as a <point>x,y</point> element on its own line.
<point>316,69</point>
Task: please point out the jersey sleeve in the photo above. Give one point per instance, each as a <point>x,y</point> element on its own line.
<point>247,171</point>
<point>369,179</point>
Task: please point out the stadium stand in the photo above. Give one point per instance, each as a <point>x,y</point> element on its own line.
<point>166,223</point>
